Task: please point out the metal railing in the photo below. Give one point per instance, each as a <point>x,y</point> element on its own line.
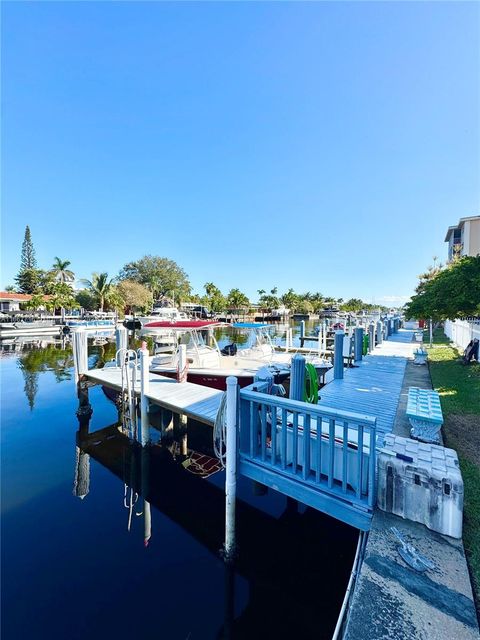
<point>329,450</point>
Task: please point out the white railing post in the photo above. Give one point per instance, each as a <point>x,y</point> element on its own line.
<point>231,467</point>
<point>144,435</point>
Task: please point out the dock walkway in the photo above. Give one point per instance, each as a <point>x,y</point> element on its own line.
<point>193,400</point>
<point>373,385</point>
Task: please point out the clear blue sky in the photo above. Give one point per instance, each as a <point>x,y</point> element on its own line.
<point>319,146</point>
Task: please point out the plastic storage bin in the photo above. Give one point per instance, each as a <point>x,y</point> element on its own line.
<point>421,482</point>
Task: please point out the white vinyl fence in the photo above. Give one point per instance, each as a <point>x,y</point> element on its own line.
<point>461,332</point>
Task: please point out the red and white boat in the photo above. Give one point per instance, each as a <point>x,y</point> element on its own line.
<point>206,364</point>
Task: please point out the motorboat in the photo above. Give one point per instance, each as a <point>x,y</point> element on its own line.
<point>158,314</point>
<point>26,328</point>
<point>207,364</point>
<point>262,348</point>
<point>91,324</point>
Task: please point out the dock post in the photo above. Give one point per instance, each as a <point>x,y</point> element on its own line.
<point>338,355</point>
<point>371,338</point>
<point>121,338</point>
<point>182,363</point>
<point>81,482</point>
<point>297,377</point>
<point>231,467</point>
<point>324,336</point>
<point>358,344</point>
<point>302,333</point>
<point>80,354</point>
<point>379,333</point>
<point>144,435</point>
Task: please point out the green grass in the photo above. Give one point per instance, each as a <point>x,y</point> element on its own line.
<point>459,389</point>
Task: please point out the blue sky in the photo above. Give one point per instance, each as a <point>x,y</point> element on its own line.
<point>319,146</point>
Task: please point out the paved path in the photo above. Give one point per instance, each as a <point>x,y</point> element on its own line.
<point>390,599</point>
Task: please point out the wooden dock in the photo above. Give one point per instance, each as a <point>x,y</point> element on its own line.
<point>373,385</point>
<point>323,455</point>
<point>192,400</point>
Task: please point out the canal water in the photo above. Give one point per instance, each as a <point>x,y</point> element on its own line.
<point>100,540</point>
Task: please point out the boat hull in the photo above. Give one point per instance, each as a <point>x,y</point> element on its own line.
<point>218,380</point>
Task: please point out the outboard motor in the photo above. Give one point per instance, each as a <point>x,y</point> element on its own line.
<point>229,350</point>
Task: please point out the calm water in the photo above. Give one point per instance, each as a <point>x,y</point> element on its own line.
<point>93,567</point>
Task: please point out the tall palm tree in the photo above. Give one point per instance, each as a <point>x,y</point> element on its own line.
<point>101,287</point>
<point>61,272</point>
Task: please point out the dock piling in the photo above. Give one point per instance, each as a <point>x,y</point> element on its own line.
<point>144,435</point>
<point>379,333</point>
<point>297,377</point>
<point>80,354</point>
<point>358,344</point>
<point>338,355</point>
<point>182,363</point>
<point>371,337</point>
<point>121,338</point>
<point>231,467</point>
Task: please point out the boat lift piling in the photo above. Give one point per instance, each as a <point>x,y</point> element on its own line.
<point>80,354</point>
<point>144,433</point>
<point>231,467</point>
<point>182,377</point>
<point>338,355</point>
<point>358,344</point>
<point>371,337</point>
<point>297,377</point>
<point>121,338</point>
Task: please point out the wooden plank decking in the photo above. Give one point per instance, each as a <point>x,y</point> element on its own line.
<point>193,400</point>
<point>373,386</point>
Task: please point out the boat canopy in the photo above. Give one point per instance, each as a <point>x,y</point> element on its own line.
<point>181,325</point>
<point>250,325</point>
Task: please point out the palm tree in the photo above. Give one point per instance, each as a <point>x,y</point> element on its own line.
<point>101,287</point>
<point>60,271</point>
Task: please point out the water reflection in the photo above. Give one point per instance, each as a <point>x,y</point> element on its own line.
<point>286,552</point>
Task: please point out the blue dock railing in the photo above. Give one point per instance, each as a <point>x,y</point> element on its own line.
<point>323,457</point>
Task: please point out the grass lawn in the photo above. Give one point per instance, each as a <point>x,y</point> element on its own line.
<point>459,388</point>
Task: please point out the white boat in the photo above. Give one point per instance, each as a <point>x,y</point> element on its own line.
<point>158,314</point>
<point>209,365</point>
<point>107,324</point>
<point>262,348</point>
<point>206,363</point>
<point>25,328</point>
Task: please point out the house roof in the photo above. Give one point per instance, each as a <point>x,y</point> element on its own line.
<point>11,296</point>
<point>14,297</point>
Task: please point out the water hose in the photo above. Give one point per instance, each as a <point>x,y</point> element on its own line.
<point>310,392</point>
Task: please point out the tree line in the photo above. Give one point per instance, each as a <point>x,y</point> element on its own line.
<point>447,291</point>
<point>149,280</point>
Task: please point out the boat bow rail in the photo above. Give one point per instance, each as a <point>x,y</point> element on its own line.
<point>323,457</point>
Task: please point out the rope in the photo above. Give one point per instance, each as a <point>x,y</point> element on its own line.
<point>182,375</point>
<point>220,431</point>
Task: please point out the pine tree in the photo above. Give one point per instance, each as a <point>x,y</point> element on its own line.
<point>28,260</point>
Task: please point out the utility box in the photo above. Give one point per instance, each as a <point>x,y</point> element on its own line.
<point>421,482</point>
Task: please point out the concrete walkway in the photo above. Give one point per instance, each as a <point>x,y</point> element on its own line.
<point>390,599</point>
